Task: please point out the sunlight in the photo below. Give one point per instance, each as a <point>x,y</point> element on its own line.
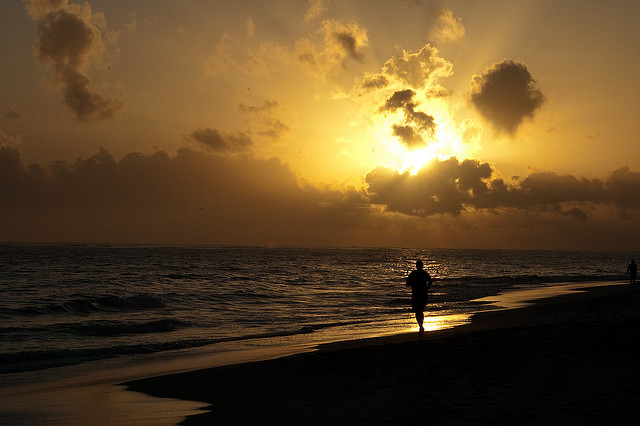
<point>447,140</point>
<point>445,321</point>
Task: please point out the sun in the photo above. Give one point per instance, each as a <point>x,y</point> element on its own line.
<point>445,140</point>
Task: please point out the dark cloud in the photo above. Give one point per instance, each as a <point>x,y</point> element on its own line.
<point>374,82</point>
<point>68,41</point>
<point>576,213</point>
<point>407,135</point>
<point>220,142</point>
<point>415,124</point>
<point>624,187</point>
<point>451,187</point>
<point>12,113</point>
<point>551,188</point>
<point>441,187</point>
<point>506,94</point>
<point>350,44</point>
<point>400,99</point>
<point>190,197</point>
<point>344,40</point>
<point>197,197</point>
<point>86,104</point>
<point>266,106</point>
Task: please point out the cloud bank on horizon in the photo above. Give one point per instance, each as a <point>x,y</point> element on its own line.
<point>200,197</point>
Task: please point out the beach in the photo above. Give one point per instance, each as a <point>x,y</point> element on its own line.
<point>566,359</point>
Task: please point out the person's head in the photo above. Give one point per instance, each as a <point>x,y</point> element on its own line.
<point>419,264</point>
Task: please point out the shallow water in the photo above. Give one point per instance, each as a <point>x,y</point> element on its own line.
<point>69,304</point>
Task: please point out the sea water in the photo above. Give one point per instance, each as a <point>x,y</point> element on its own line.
<point>70,304</point>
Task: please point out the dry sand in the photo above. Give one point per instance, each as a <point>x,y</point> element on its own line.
<point>566,360</point>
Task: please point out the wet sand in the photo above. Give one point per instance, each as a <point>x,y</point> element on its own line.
<point>568,359</point>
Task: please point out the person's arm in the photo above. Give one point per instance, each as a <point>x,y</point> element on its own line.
<point>428,281</point>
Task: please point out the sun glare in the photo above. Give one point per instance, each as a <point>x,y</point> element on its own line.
<point>446,141</point>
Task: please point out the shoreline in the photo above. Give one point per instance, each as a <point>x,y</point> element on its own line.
<point>190,381</point>
<point>564,359</point>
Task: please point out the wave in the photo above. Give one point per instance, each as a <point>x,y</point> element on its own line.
<point>503,280</point>
<point>178,276</point>
<point>14,362</point>
<point>88,305</point>
<point>95,329</point>
<point>108,329</point>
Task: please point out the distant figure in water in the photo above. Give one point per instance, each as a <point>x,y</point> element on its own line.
<point>632,270</point>
<point>420,283</point>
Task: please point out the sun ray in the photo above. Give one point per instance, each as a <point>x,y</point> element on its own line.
<point>446,140</point>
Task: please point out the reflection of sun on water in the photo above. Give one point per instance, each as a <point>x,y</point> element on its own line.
<point>443,322</point>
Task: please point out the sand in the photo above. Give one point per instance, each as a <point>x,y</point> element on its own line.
<point>569,359</point>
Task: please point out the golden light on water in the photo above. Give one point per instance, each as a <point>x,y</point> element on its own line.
<point>443,322</point>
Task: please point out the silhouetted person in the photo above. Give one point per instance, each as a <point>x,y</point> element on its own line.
<point>420,283</point>
<point>632,270</point>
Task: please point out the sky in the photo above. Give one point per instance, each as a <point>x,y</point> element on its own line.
<point>409,123</point>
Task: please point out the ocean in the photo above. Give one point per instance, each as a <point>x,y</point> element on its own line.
<point>63,304</point>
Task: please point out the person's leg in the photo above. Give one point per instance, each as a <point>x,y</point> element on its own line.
<point>420,320</point>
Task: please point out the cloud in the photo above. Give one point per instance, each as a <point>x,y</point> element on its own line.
<point>251,27</point>
<point>190,197</point>
<point>223,59</point>
<point>506,94</point>
<point>38,8</point>
<point>340,43</point>
<point>399,99</point>
<point>418,69</point>
<point>441,187</point>
<point>266,106</point>
<point>373,82</point>
<point>275,128</point>
<point>576,213</point>
<point>69,40</point>
<point>13,113</point>
<point>198,197</point>
<point>451,187</point>
<point>446,28</point>
<point>9,141</point>
<point>229,57</point>
<point>407,91</point>
<point>551,188</point>
<point>624,187</point>
<point>334,46</point>
<point>315,10</point>
<point>217,141</point>
<point>416,124</point>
